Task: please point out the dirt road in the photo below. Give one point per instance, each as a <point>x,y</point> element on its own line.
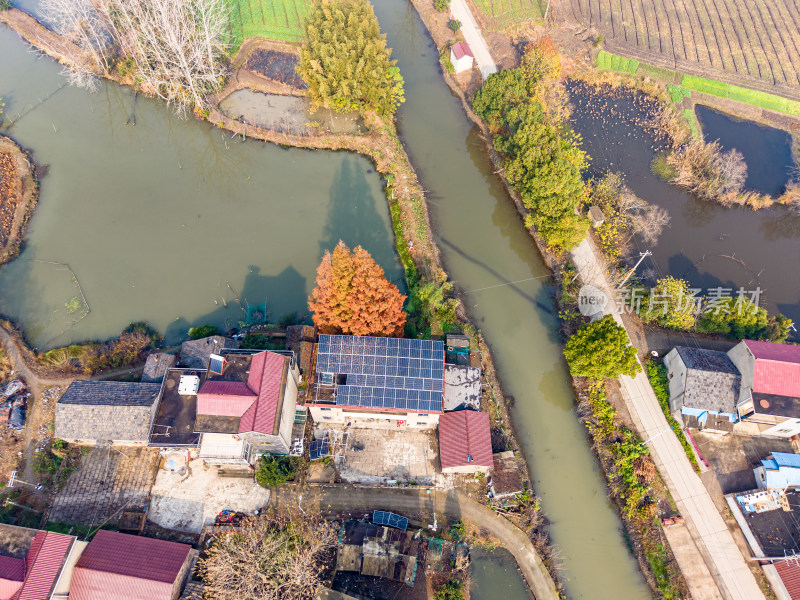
<point>36,384</point>
<point>453,503</point>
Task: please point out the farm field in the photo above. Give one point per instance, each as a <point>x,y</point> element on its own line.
<point>739,41</point>
<point>499,14</point>
<point>276,19</point>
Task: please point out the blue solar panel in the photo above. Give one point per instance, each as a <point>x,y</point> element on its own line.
<point>318,449</point>
<point>385,372</point>
<point>380,517</point>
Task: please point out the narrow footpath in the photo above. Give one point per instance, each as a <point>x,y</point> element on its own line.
<point>453,503</point>
<point>711,535</point>
<point>460,11</point>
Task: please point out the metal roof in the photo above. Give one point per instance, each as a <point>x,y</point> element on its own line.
<point>127,567</point>
<point>787,459</point>
<point>43,564</point>
<point>387,373</point>
<point>465,439</point>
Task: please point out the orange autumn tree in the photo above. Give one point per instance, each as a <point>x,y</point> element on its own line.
<point>354,297</point>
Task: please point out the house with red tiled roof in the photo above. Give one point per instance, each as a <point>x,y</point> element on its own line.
<point>465,442</point>
<point>769,392</point>
<point>246,406</point>
<point>31,562</point>
<point>128,567</point>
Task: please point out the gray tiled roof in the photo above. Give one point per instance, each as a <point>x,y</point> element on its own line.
<point>106,410</point>
<point>110,393</point>
<point>706,360</point>
<point>711,390</point>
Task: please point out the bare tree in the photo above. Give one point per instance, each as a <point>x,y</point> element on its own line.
<point>732,171</point>
<point>644,219</point>
<point>178,47</point>
<point>270,558</point>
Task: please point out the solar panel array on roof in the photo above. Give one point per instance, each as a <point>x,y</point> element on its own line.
<point>384,372</point>
<point>380,517</point>
<point>318,449</point>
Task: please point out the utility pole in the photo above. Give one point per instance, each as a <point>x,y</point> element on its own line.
<point>546,10</point>
<point>642,256</point>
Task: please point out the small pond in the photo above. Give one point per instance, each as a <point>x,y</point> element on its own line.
<point>495,576</point>
<point>287,114</point>
<point>767,151</point>
<point>707,244</point>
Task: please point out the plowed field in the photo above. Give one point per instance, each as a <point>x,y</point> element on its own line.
<point>754,42</point>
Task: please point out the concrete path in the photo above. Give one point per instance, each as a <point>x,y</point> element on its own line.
<point>459,10</point>
<point>453,503</point>
<point>709,531</point>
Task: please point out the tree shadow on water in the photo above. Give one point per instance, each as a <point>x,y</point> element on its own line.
<point>284,293</point>
<point>353,216</point>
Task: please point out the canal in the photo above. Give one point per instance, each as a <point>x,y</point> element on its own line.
<point>493,260</point>
<point>171,221</point>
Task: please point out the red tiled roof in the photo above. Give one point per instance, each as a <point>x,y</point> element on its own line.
<point>465,439</point>
<point>777,368</point>
<point>43,564</point>
<point>461,49</point>
<point>12,574</point>
<point>267,378</point>
<point>127,567</point>
<point>789,572</point>
<point>224,398</point>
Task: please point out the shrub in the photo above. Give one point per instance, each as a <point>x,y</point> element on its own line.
<point>276,470</point>
<point>454,25</point>
<point>661,167</point>
<point>458,531</point>
<point>444,59</point>
<point>671,304</point>
<point>450,591</point>
<point>441,5</point>
<point>202,331</point>
<point>5,5</point>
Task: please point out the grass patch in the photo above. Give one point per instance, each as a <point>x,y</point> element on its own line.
<point>659,73</point>
<point>508,13</point>
<point>657,374</point>
<point>661,167</point>
<point>741,94</point>
<point>694,124</point>
<point>276,19</point>
<point>614,62</point>
<point>678,93</point>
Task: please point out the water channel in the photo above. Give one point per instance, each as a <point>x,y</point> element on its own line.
<point>707,244</point>
<point>485,247</point>
<point>157,219</point>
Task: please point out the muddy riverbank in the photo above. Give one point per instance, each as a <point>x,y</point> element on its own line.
<point>19,192</point>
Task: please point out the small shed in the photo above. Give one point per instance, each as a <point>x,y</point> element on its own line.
<point>156,367</point>
<point>465,442</point>
<point>196,354</point>
<point>461,56</point>
<point>596,216</point>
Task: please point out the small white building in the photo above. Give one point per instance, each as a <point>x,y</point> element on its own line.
<point>461,57</point>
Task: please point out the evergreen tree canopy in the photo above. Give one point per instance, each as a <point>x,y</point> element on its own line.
<point>345,61</point>
<point>354,297</point>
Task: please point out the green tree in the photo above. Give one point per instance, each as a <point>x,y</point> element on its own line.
<point>601,350</point>
<point>275,470</point>
<point>738,320</point>
<point>345,61</point>
<point>778,328</point>
<point>441,5</point>
<point>670,304</point>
